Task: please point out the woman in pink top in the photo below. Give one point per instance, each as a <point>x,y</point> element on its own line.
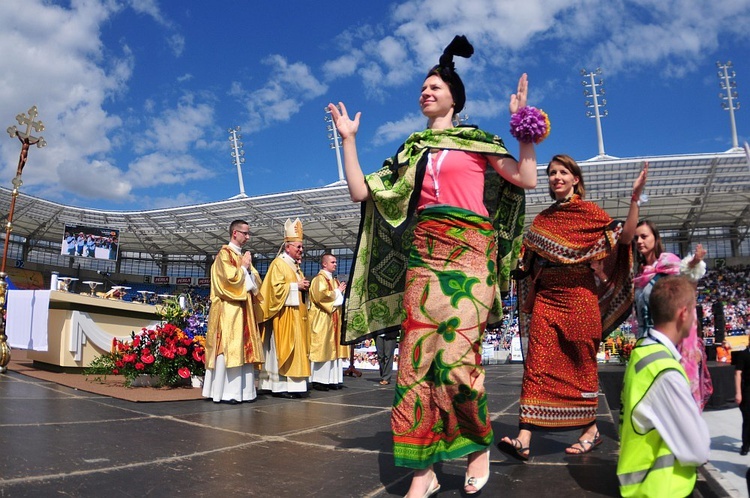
<point>653,262</point>
<point>439,222</point>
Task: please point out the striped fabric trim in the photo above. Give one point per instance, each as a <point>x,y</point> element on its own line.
<point>562,416</point>
<point>664,461</point>
<point>647,360</point>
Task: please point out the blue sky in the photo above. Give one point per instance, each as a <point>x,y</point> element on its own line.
<point>137,95</point>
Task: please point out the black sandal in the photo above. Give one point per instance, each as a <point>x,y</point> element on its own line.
<point>514,449</point>
<point>584,445</point>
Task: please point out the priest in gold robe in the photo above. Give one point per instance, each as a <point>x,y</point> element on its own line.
<point>286,339</point>
<point>233,341</point>
<point>326,351</point>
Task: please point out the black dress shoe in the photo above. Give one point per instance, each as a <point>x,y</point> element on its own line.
<point>284,395</point>
<point>320,387</point>
<point>743,451</point>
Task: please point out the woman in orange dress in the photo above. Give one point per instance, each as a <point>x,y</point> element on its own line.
<point>576,285</point>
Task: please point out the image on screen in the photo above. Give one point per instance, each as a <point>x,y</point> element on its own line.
<point>90,242</point>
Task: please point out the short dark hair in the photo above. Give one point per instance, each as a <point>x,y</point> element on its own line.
<point>323,256</point>
<point>670,293</point>
<point>235,226</point>
<point>571,165</point>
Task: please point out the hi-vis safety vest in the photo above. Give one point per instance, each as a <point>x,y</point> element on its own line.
<point>646,466</point>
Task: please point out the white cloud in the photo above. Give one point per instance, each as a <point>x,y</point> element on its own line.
<point>176,43</point>
<point>160,168</point>
<point>151,9</point>
<point>189,198</point>
<point>288,87</point>
<point>50,59</point>
<point>507,37</point>
<point>94,180</point>
<point>176,130</point>
<point>174,40</point>
<point>55,58</point>
<point>397,130</point>
<point>343,66</point>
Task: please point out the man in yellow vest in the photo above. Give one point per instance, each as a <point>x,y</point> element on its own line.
<point>663,438</point>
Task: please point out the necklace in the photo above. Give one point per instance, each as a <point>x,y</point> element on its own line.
<point>435,173</point>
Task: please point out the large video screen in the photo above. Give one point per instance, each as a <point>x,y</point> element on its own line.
<point>90,242</point>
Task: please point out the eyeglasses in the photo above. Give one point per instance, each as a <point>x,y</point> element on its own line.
<point>246,234</point>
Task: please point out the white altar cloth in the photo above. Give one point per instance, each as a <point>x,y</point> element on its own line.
<point>26,321</point>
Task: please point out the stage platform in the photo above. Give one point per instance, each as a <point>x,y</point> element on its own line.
<point>60,441</point>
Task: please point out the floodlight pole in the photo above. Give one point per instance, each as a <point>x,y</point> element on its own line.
<point>238,155</point>
<point>594,90</point>
<point>729,102</point>
<point>27,141</point>
<point>333,136</point>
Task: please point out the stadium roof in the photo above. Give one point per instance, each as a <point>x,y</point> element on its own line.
<point>688,192</point>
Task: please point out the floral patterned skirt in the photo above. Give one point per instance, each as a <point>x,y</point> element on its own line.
<point>440,407</point>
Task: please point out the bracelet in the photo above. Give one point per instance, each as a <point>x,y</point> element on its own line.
<point>530,124</point>
<point>641,199</point>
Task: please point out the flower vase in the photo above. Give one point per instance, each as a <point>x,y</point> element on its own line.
<point>196,381</point>
<point>145,380</point>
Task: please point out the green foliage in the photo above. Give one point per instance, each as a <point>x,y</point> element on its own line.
<point>100,367</point>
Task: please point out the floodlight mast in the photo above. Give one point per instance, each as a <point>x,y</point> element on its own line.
<point>333,136</point>
<point>729,98</point>
<point>594,89</point>
<point>238,155</point>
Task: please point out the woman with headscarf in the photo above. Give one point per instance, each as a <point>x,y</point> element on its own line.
<point>438,226</point>
<point>653,263</point>
<point>575,288</point>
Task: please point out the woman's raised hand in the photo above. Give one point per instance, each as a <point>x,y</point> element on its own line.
<point>640,183</point>
<point>518,99</point>
<point>700,253</point>
<point>346,127</point>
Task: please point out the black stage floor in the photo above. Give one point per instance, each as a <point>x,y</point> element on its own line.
<point>56,441</point>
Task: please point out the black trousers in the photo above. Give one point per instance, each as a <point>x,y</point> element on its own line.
<point>385,348</point>
<point>745,410</point>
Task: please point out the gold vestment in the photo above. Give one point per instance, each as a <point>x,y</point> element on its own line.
<point>291,331</point>
<point>233,328</point>
<point>325,320</point>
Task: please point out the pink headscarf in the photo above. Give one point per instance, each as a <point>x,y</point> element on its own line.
<point>691,348</point>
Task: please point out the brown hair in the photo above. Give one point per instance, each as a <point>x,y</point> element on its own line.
<point>670,293</point>
<point>658,246</point>
<point>571,165</point>
<point>325,255</point>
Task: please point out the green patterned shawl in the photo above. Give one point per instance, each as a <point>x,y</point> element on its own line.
<point>373,303</point>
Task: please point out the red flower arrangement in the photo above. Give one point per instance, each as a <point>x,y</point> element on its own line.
<point>171,353</point>
<point>625,351</point>
<point>165,352</point>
